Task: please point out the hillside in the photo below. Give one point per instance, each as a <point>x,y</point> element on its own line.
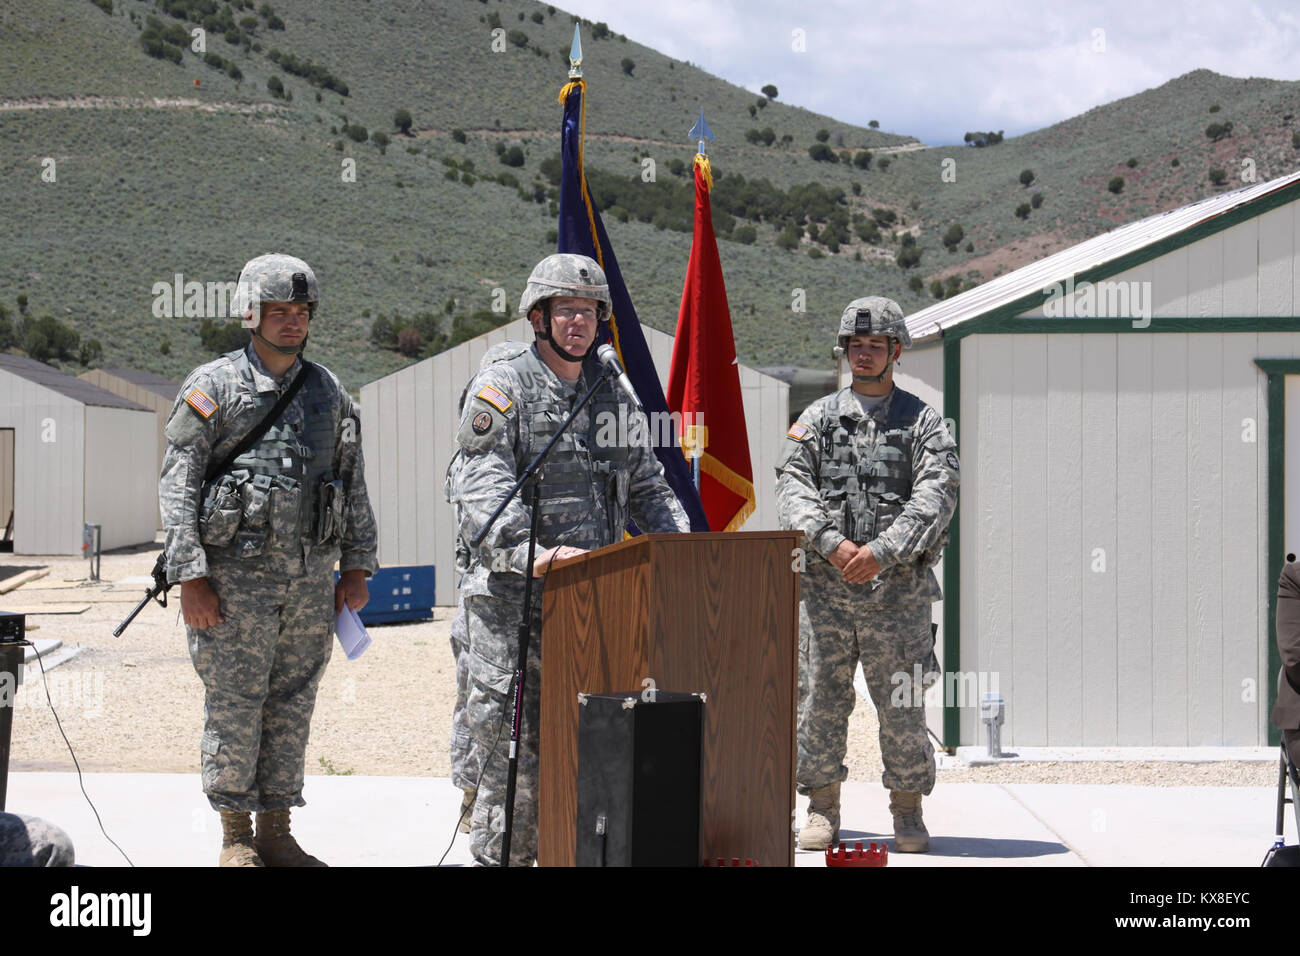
<point>156,175</point>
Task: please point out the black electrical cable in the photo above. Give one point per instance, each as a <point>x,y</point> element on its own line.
<point>80,781</point>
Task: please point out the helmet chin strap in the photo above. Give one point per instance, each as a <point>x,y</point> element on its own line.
<point>282,349</point>
<point>877,379</point>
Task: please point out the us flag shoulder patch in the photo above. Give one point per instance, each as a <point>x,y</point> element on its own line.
<point>797,432</point>
<point>494,398</point>
<point>201,403</point>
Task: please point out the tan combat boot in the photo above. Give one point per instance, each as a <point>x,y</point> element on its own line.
<point>910,834</point>
<point>466,809</point>
<point>276,845</point>
<point>237,840</point>
<point>823,826</point>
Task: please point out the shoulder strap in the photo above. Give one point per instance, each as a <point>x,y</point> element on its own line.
<point>259,430</point>
<point>904,410</point>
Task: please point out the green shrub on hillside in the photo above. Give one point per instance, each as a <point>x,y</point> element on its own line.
<point>822,153</point>
<point>220,336</point>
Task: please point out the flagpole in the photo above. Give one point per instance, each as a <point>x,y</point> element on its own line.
<point>701,133</point>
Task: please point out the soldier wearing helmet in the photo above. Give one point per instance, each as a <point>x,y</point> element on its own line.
<point>590,487</point>
<point>253,547</point>
<point>869,474</point>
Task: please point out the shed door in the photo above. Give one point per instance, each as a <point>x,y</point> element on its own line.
<point>6,483</point>
<point>1291,543</point>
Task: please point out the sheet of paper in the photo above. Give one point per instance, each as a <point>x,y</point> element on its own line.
<point>352,633</point>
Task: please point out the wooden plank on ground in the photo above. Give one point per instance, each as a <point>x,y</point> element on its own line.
<point>18,580</point>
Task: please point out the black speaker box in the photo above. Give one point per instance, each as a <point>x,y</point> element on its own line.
<point>639,779</point>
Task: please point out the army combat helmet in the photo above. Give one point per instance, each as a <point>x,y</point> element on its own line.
<point>873,315</point>
<point>566,274</point>
<point>275,278</point>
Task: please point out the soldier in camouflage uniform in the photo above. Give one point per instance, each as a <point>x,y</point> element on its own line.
<point>464,759</point>
<point>31,841</point>
<point>254,554</point>
<point>590,488</point>
<point>869,475</point>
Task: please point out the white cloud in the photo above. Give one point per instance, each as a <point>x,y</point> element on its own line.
<point>936,69</point>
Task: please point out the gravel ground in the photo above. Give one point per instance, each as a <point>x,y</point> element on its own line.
<point>134,704</point>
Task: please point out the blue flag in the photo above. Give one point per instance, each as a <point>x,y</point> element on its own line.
<point>581,231</point>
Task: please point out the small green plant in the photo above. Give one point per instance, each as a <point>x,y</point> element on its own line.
<point>1116,184</point>
<point>333,771</point>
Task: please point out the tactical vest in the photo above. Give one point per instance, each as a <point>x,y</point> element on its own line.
<point>869,485</point>
<point>584,487</point>
<point>270,495</point>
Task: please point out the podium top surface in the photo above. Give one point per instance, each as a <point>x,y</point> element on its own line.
<point>643,540</point>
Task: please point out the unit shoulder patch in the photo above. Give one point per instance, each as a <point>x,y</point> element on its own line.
<point>798,432</point>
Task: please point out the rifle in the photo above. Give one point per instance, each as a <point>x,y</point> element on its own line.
<point>157,593</point>
<point>160,586</point>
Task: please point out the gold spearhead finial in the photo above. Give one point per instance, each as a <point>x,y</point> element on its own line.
<point>575,55</point>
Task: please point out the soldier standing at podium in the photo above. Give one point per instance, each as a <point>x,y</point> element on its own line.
<point>869,474</point>
<point>590,487</point>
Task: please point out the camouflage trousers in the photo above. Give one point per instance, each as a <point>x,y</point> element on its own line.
<point>464,761</point>
<point>492,623</point>
<point>260,669</point>
<point>31,841</point>
<point>837,630</point>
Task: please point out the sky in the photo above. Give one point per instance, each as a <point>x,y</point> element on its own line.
<point>935,70</point>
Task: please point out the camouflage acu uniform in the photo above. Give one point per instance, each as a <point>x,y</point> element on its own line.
<point>886,478</point>
<point>589,490</point>
<point>31,841</point>
<point>266,536</point>
<point>464,759</point>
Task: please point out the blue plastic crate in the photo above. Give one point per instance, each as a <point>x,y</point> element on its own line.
<point>401,593</point>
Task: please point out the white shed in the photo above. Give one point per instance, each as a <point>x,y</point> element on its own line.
<point>1120,409</point>
<point>408,429</point>
<point>144,388</point>
<point>80,454</point>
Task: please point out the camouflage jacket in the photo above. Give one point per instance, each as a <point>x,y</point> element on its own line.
<point>272,505</point>
<point>887,479</point>
<point>592,483</point>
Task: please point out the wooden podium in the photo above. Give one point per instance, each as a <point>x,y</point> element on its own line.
<point>717,613</point>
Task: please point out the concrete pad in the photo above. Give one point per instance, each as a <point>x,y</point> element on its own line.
<point>1156,826</point>
<point>164,819</point>
<point>970,824</point>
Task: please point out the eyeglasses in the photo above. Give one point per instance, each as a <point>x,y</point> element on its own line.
<point>567,313</point>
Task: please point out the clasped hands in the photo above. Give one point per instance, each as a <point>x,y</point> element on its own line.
<point>856,564</point>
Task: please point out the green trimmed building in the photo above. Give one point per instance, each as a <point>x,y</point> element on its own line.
<point>1120,409</point>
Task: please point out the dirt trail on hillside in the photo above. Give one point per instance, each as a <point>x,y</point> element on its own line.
<point>130,103</point>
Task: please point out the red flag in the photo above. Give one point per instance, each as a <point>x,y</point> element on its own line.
<point>704,382</point>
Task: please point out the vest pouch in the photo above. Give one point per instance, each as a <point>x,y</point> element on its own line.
<point>329,510</point>
<point>219,519</point>
<point>256,498</point>
<point>286,500</point>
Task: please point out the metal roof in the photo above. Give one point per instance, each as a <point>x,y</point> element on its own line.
<point>75,388</point>
<point>1107,247</point>
<point>149,381</point>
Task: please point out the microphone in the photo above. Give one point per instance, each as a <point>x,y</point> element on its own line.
<point>609,358</point>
